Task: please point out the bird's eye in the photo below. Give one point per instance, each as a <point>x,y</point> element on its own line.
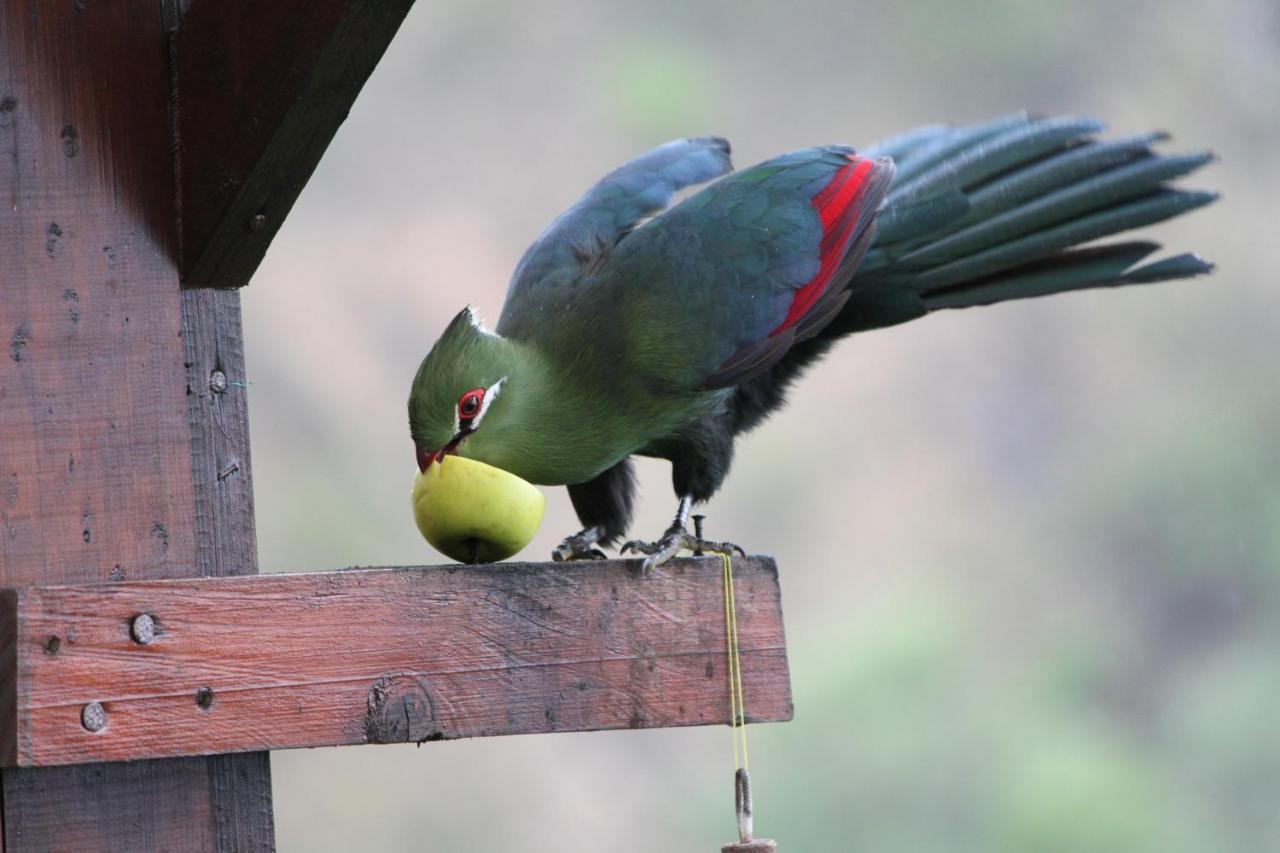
<point>469,403</point>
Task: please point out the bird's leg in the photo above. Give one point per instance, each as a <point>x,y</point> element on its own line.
<point>675,538</point>
<point>580,546</point>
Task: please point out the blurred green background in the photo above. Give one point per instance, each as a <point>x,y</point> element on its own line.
<point>1029,554</point>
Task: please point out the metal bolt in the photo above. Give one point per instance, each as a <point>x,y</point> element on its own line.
<point>93,717</point>
<point>218,382</point>
<point>204,698</point>
<point>258,222</point>
<point>143,629</point>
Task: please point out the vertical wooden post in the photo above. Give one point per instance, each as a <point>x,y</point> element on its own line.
<point>226,543</point>
<point>112,449</point>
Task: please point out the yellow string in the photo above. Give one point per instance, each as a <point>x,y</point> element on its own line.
<point>737,705</point>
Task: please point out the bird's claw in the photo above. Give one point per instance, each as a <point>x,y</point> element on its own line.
<point>674,540</point>
<point>657,552</point>
<point>580,546</point>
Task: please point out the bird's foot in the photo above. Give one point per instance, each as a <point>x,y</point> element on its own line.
<point>579,546</point>
<point>675,539</point>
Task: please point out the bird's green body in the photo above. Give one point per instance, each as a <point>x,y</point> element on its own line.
<point>559,418</point>
<point>667,337</point>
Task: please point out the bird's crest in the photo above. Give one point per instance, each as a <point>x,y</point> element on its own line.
<point>462,358</point>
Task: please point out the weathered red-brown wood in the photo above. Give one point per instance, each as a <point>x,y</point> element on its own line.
<point>95,440</point>
<point>262,88</point>
<point>239,786</point>
<point>96,475</point>
<point>386,655</point>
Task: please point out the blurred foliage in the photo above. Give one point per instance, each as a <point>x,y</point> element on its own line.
<point>660,88</point>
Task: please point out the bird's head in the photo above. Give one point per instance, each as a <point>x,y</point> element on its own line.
<point>461,393</point>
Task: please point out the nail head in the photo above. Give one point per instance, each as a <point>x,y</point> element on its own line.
<point>218,382</point>
<point>143,629</point>
<point>93,717</point>
<point>258,222</point>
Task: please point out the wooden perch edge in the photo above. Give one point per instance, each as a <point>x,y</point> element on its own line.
<point>379,656</point>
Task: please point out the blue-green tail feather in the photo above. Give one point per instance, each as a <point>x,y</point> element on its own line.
<point>1000,211</point>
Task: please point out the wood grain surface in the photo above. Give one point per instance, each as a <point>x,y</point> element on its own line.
<point>95,436</point>
<point>262,88</point>
<point>386,656</point>
<point>95,470</point>
<point>239,786</point>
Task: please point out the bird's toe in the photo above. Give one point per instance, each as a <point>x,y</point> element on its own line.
<point>580,546</point>
<point>637,546</point>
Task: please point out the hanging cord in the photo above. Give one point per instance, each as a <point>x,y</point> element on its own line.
<point>743,807</point>
<point>737,708</point>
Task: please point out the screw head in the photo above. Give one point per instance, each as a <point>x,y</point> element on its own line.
<point>93,717</point>
<point>258,222</point>
<point>142,629</point>
<point>204,698</point>
<point>218,382</point>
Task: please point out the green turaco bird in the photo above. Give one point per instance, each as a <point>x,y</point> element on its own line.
<point>631,328</point>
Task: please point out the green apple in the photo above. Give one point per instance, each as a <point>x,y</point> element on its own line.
<point>473,512</point>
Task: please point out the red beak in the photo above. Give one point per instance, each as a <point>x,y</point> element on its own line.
<point>425,457</point>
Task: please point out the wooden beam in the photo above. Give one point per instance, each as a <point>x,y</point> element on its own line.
<point>262,88</point>
<point>218,414</point>
<point>95,470</point>
<point>96,447</point>
<point>382,656</point>
<point>225,539</point>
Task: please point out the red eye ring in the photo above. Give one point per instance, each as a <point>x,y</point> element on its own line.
<point>469,404</point>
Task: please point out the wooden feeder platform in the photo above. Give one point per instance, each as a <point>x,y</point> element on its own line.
<point>199,666</point>
<point>149,152</point>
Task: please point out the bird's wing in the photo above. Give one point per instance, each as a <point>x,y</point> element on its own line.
<point>579,242</point>
<point>720,287</point>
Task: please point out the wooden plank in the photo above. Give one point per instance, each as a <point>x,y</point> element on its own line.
<point>226,541</point>
<point>8,684</point>
<point>262,88</point>
<point>95,477</point>
<point>145,805</point>
<point>95,464</point>
<point>95,472</point>
<point>217,410</point>
<point>387,655</point>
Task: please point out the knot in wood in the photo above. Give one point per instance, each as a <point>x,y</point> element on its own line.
<point>401,709</point>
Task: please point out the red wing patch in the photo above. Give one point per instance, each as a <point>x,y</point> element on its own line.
<point>838,205</point>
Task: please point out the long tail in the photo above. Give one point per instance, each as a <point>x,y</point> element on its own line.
<point>999,211</point>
